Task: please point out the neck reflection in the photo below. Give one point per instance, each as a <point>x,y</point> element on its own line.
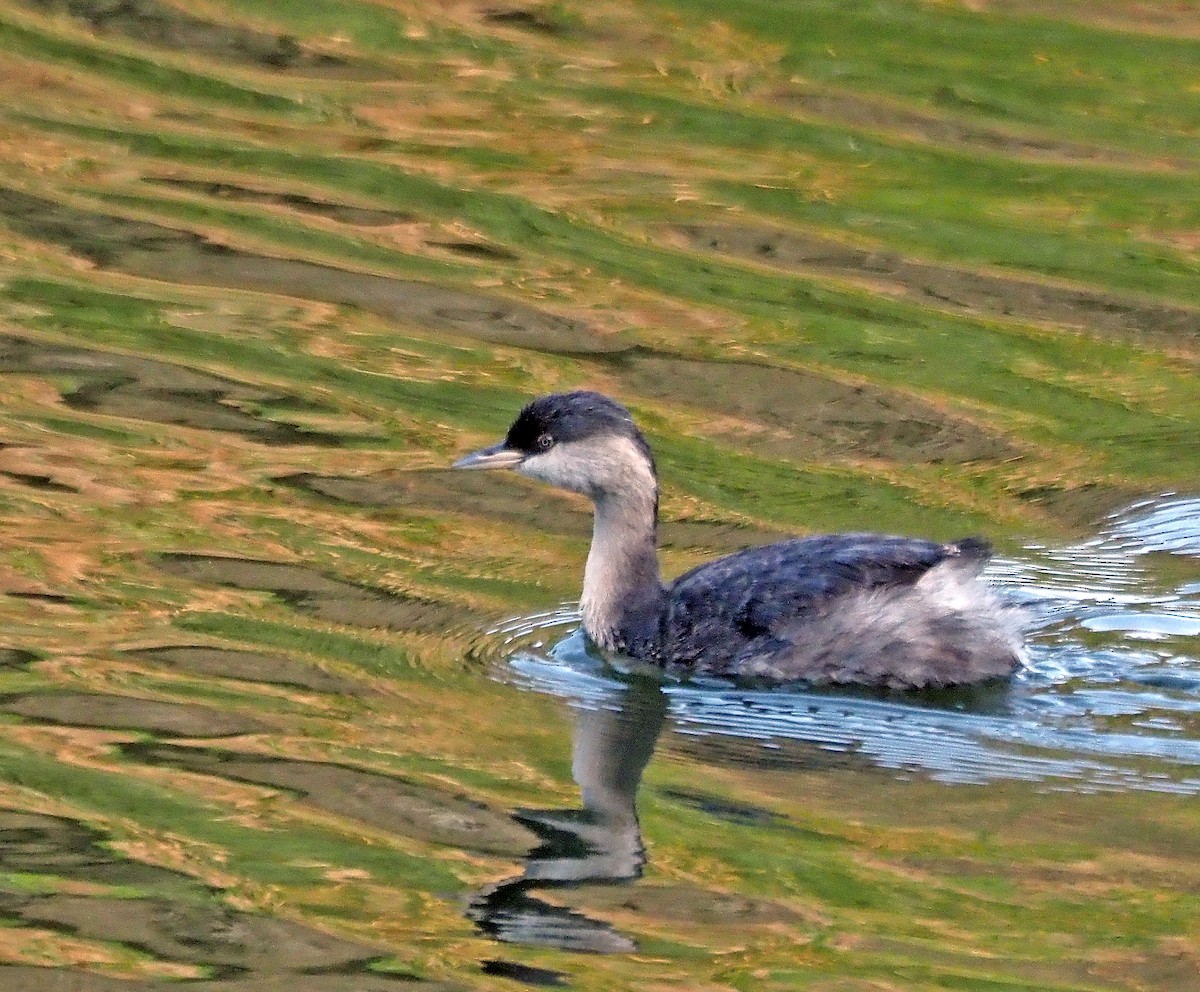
<point>600,844</point>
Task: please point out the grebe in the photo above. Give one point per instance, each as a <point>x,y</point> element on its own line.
<point>837,609</point>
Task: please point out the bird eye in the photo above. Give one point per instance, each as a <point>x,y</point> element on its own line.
<point>544,441</point>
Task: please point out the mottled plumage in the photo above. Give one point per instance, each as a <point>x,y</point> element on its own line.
<point>864,609</point>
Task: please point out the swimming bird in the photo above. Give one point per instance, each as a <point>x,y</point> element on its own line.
<point>836,609</point>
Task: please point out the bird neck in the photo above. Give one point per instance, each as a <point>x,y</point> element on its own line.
<point>623,595</point>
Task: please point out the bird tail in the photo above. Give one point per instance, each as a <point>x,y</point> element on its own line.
<point>971,549</point>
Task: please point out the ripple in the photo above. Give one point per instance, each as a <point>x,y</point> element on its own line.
<point>1149,625</point>
<point>1106,701</point>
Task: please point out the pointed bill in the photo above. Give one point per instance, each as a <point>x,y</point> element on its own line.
<point>497,456</point>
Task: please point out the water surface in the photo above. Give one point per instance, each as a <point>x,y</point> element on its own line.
<point>267,269</point>
<point>1108,697</point>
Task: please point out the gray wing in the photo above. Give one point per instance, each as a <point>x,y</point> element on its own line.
<point>716,610</point>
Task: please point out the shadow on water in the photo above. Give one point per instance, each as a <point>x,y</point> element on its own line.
<point>772,411</point>
<point>938,128</point>
<point>158,252</point>
<point>476,249</point>
<point>948,287</point>
<point>40,482</point>
<point>15,659</point>
<point>342,212</point>
<point>539,20</point>
<point>34,979</point>
<point>147,22</point>
<point>319,595</point>
<point>245,666</point>
<point>162,392</point>
<point>483,494</point>
<point>212,935</point>
<point>89,709</point>
<point>802,413</point>
<point>178,920</point>
<point>523,973</point>
<point>52,845</point>
<point>385,802</point>
<point>1109,698</point>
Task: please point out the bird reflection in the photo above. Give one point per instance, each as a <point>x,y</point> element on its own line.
<point>599,844</point>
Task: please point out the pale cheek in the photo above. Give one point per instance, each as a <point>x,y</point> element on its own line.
<point>595,467</point>
<point>555,470</point>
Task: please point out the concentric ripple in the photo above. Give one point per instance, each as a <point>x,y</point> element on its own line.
<point>1109,698</point>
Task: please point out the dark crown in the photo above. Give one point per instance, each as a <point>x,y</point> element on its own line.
<point>567,417</point>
